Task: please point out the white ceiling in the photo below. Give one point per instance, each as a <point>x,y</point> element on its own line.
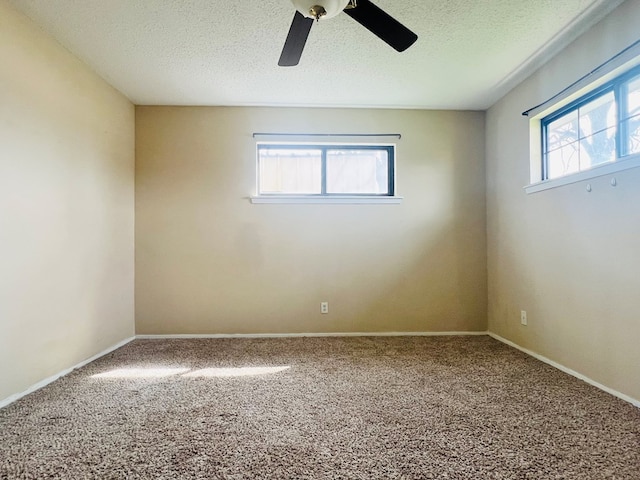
<point>222,52</point>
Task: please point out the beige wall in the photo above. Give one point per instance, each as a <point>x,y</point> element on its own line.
<point>569,257</point>
<point>209,261</point>
<point>66,208</point>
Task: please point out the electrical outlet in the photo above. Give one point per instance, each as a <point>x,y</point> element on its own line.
<point>324,307</point>
<point>523,317</point>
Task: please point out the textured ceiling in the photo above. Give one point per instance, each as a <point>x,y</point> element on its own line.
<point>220,52</point>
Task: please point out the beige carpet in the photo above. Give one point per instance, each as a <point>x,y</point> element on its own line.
<point>320,408</point>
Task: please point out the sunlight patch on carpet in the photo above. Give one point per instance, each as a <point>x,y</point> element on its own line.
<point>141,373</point>
<point>160,372</point>
<point>235,372</point>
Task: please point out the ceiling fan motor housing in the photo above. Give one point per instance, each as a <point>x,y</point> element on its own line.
<point>332,7</point>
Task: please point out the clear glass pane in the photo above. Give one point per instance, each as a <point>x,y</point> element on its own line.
<point>598,149</point>
<point>598,115</point>
<point>358,171</point>
<point>563,161</point>
<point>292,171</point>
<point>562,131</point>
<point>582,138</point>
<point>633,97</point>
<point>632,127</point>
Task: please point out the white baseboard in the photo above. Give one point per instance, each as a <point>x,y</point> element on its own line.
<point>573,373</point>
<point>46,381</point>
<point>53,378</point>
<point>297,335</point>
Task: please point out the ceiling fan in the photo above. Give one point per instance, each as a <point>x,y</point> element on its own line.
<point>364,12</point>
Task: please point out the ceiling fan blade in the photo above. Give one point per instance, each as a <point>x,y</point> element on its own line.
<point>297,37</point>
<point>382,24</point>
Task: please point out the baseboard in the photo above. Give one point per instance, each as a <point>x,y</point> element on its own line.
<point>296,335</point>
<point>573,373</point>
<point>53,378</point>
<point>46,381</point>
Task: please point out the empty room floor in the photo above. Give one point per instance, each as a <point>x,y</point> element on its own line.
<point>348,407</point>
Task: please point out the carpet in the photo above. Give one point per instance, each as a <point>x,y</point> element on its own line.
<point>319,408</point>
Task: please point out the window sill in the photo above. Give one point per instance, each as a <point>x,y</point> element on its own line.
<point>607,169</point>
<point>334,199</point>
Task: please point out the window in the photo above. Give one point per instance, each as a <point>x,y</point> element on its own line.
<point>599,128</point>
<point>326,170</point>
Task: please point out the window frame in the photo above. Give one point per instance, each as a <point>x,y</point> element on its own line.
<point>619,87</point>
<point>324,196</point>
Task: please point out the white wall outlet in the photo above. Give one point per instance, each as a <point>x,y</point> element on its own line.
<point>324,307</point>
<point>523,317</point>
